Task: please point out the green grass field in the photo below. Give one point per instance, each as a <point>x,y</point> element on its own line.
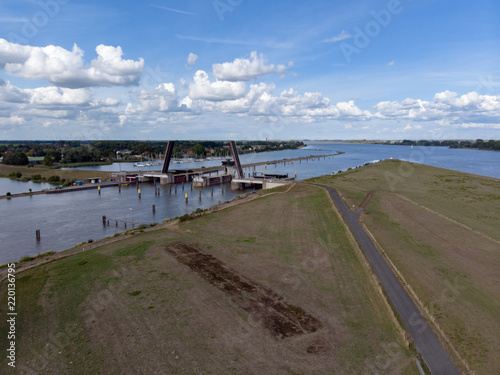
<point>130,307</point>
<point>5,170</point>
<point>440,229</point>
<point>468,199</point>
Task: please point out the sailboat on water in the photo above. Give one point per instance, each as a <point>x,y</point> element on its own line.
<point>141,164</point>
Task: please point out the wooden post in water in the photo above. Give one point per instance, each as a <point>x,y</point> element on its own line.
<point>99,190</point>
<point>170,189</point>
<point>175,188</point>
<point>154,209</point>
<point>212,192</point>
<point>38,238</point>
<point>183,186</point>
<point>104,220</point>
<point>139,191</point>
<point>120,188</point>
<point>200,195</point>
<point>186,198</point>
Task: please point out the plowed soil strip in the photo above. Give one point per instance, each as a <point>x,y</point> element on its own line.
<point>366,200</point>
<point>280,318</point>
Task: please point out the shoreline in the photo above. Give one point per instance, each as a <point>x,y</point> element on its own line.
<point>113,183</point>
<point>223,205</point>
<point>172,222</point>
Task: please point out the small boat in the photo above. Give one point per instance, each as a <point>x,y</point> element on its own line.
<point>199,181</point>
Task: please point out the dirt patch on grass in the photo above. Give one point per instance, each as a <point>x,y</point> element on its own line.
<point>366,200</point>
<point>280,318</point>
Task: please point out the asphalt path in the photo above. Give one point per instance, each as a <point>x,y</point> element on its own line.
<point>433,353</point>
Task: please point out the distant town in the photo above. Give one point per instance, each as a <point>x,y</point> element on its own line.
<point>77,153</point>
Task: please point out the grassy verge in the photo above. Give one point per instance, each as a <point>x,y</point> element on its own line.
<point>84,164</point>
<point>46,173</point>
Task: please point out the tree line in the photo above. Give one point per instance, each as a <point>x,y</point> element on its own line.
<point>477,144</point>
<point>17,153</point>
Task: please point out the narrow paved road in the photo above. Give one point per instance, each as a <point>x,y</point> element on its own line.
<point>433,353</point>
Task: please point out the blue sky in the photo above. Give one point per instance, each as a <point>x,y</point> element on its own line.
<point>219,69</point>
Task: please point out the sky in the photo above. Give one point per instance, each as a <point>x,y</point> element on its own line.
<point>249,69</point>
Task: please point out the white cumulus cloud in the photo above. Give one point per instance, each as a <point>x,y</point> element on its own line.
<point>246,69</point>
<point>447,105</point>
<point>191,58</point>
<point>203,89</point>
<point>12,120</point>
<point>11,94</point>
<point>412,127</point>
<point>162,99</point>
<point>55,96</point>
<point>260,101</point>
<point>33,107</point>
<point>67,68</point>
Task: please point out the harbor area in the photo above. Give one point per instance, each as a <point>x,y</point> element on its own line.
<point>228,172</point>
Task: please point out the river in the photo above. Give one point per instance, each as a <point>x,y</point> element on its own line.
<point>486,163</point>
<point>15,186</point>
<point>71,218</point>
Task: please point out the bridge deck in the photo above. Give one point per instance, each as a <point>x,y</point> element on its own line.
<point>256,181</point>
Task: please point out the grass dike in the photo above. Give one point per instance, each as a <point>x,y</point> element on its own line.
<point>438,229</point>
<point>272,285</point>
